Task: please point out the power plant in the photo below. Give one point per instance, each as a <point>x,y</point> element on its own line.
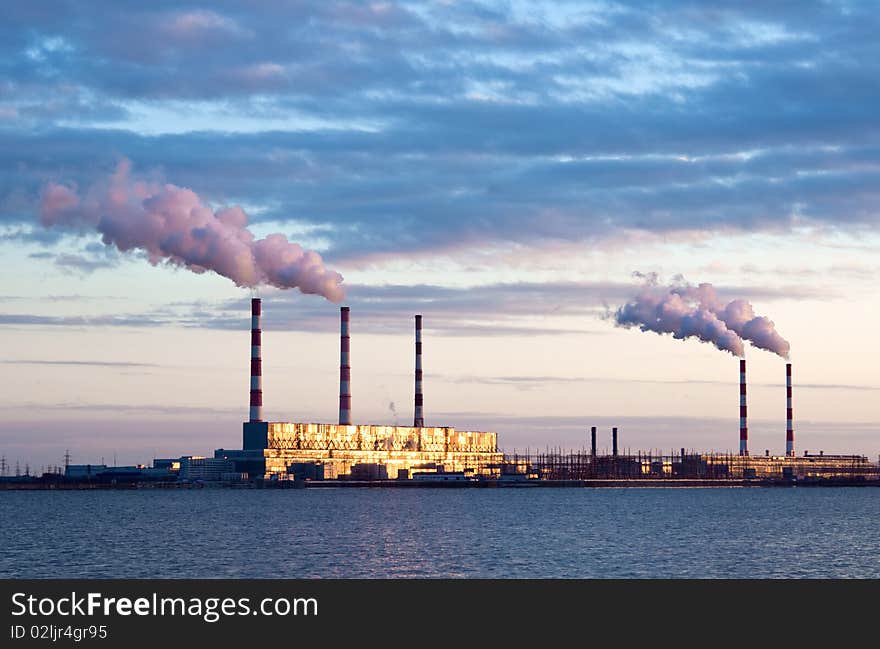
<point>279,448</point>
<point>289,453</point>
<point>276,450</point>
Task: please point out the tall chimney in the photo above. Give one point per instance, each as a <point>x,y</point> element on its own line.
<point>593,441</point>
<point>789,427</point>
<point>743,416</point>
<point>256,362</point>
<point>614,441</point>
<point>419,418</point>
<point>344,370</point>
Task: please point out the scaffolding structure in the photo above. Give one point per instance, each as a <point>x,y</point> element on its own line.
<point>568,465</point>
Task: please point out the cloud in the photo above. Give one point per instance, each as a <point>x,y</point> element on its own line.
<point>150,409</point>
<point>836,386</point>
<point>61,298</point>
<point>454,201</point>
<point>84,264</point>
<point>30,319</point>
<point>411,128</point>
<point>513,309</point>
<point>193,25</point>
<point>19,361</point>
<point>487,310</point>
<point>530,382</point>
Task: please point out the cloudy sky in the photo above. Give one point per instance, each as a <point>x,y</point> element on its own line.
<point>509,169</point>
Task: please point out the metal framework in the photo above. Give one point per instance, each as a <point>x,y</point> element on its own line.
<point>560,464</point>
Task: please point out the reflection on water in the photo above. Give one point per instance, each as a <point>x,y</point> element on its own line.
<point>442,533</point>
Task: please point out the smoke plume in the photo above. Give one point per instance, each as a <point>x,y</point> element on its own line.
<point>172,224</point>
<point>697,312</point>
<point>393,409</point>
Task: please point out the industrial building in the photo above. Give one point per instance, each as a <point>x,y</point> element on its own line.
<point>124,473</point>
<point>196,467</point>
<point>83,471</point>
<point>271,449</point>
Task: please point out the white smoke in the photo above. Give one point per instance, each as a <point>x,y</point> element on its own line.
<point>687,311</point>
<point>174,225</point>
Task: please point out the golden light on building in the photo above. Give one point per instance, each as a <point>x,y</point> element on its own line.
<point>339,448</point>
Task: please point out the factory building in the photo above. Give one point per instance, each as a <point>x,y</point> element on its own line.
<point>272,448</point>
<point>102,472</point>
<point>196,467</point>
<point>83,471</point>
<point>398,448</point>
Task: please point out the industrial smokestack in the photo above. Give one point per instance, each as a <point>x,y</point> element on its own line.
<point>614,441</point>
<point>419,418</point>
<point>344,370</point>
<point>593,441</point>
<point>789,427</point>
<point>743,415</point>
<point>256,362</point>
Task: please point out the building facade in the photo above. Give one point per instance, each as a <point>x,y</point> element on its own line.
<point>341,447</point>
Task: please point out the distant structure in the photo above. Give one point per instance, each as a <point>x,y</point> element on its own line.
<point>743,414</point>
<point>789,427</point>
<point>344,368</point>
<point>419,413</point>
<point>693,465</point>
<point>256,361</point>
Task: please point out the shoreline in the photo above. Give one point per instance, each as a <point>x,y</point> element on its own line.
<point>668,483</point>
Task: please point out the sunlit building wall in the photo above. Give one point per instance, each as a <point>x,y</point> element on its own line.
<point>398,448</point>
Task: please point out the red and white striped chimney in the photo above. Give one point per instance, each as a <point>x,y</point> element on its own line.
<point>789,426</point>
<point>344,370</point>
<point>419,419</point>
<point>743,416</point>
<point>256,362</point>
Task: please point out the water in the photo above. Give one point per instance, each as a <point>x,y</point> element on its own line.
<point>487,533</point>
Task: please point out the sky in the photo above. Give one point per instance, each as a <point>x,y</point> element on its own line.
<point>512,170</point>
